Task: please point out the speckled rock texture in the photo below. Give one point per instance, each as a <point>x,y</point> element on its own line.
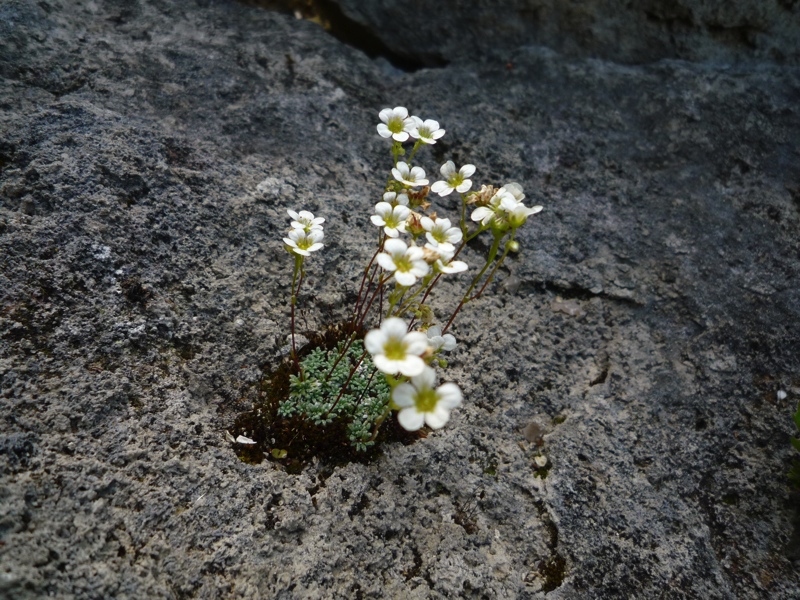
<point>437,33</point>
<point>148,152</point>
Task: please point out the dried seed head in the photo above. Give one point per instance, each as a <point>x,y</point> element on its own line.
<point>482,197</point>
<point>418,198</point>
<point>429,255</point>
<point>414,224</point>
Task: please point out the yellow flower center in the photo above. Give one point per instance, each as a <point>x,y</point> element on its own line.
<point>395,124</point>
<point>394,349</point>
<point>425,400</point>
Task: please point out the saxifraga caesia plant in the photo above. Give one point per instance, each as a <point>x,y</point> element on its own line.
<point>395,367</point>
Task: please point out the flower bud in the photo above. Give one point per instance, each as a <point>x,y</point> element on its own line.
<point>513,246</point>
<point>425,314</point>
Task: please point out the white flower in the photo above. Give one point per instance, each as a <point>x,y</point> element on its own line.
<point>505,202</point>
<point>394,198</point>
<point>426,131</point>
<point>304,242</point>
<point>484,214</point>
<point>444,262</point>
<point>441,235</point>
<point>396,123</point>
<point>405,261</point>
<point>520,213</point>
<point>391,218</point>
<point>514,189</point>
<point>395,350</point>
<point>440,342</point>
<point>413,177</point>
<point>305,220</point>
<point>453,180</point>
<point>421,402</point>
<point>448,267</point>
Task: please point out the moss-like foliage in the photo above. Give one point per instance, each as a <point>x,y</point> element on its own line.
<point>295,420</point>
<point>325,391</point>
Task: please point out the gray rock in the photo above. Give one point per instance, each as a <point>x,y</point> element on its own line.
<point>437,33</point>
<point>148,151</point>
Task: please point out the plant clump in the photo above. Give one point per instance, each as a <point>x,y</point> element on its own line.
<point>383,364</point>
<point>327,392</point>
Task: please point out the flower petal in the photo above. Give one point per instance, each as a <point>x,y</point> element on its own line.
<point>405,278</point>
<point>395,327</point>
<point>415,342</point>
<point>383,208</point>
<point>374,341</point>
<point>394,247</point>
<point>410,366</point>
<point>403,395</point>
<point>425,380</point>
<point>448,169</point>
<point>385,365</point>
<point>449,395</point>
<point>464,186</point>
<point>438,418</point>
<point>442,188</point>
<point>385,261</point>
<point>449,342</point>
<point>420,268</point>
<point>480,213</point>
<point>410,419</point>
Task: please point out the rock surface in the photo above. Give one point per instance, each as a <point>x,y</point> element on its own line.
<point>148,151</point>
<point>437,33</point>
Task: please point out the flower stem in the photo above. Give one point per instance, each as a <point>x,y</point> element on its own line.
<point>413,152</point>
<point>397,152</point>
<point>496,266</point>
<point>379,422</point>
<point>360,300</point>
<point>463,215</point>
<point>407,302</point>
<point>353,370</point>
<point>466,298</point>
<point>298,270</point>
<point>381,281</point>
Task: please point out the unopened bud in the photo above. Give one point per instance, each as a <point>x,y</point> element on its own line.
<point>513,246</point>
<point>425,314</point>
